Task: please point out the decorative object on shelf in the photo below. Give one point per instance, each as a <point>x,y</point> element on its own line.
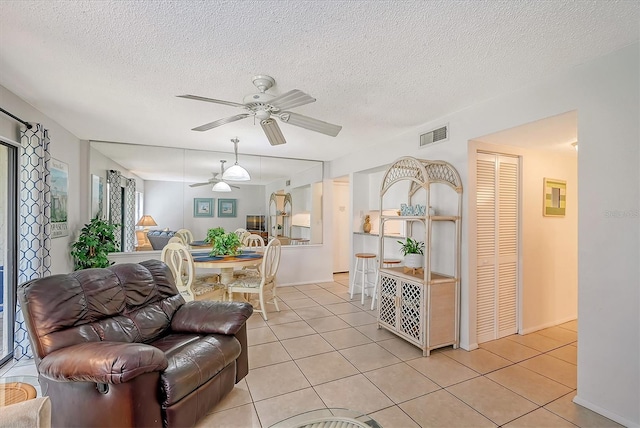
<point>555,197</point>
<point>366,227</point>
<point>97,239</point>
<point>413,251</point>
<point>203,207</point>
<point>226,207</point>
<point>227,244</point>
<point>411,210</point>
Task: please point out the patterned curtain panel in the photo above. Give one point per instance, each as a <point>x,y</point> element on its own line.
<point>129,215</point>
<point>35,215</point>
<point>115,203</point>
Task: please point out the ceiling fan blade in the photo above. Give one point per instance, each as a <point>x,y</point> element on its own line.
<point>291,99</point>
<point>220,122</point>
<point>274,134</point>
<point>231,185</point>
<point>310,123</point>
<point>210,100</point>
<point>199,184</point>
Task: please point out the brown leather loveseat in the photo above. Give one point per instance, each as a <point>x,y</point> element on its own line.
<point>119,347</point>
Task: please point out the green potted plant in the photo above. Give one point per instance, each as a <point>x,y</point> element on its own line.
<point>212,233</point>
<point>97,239</point>
<point>413,252</point>
<point>227,244</point>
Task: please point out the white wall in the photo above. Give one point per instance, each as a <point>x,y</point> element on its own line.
<point>605,93</point>
<point>67,148</point>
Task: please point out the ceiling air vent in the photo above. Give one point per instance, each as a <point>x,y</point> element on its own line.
<point>435,136</point>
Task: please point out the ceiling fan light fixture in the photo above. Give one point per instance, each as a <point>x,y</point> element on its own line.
<point>221,186</point>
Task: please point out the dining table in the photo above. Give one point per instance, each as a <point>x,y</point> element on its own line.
<point>227,264</point>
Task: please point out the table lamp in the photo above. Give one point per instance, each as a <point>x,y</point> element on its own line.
<point>146,221</point>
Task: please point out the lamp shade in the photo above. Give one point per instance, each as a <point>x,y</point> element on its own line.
<point>236,173</point>
<point>221,186</point>
<point>146,220</point>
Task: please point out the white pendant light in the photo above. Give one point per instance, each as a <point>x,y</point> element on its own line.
<point>236,172</point>
<point>221,186</point>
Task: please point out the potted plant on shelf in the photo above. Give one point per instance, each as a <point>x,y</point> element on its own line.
<point>413,252</point>
<point>227,244</point>
<point>97,239</point>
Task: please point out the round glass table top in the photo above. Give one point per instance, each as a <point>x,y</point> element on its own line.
<point>335,418</point>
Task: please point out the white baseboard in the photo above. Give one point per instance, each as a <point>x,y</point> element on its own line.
<point>547,325</point>
<point>316,281</point>
<point>469,347</point>
<point>606,413</point>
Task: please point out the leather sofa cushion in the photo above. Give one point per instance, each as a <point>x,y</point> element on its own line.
<point>193,359</point>
<point>126,302</point>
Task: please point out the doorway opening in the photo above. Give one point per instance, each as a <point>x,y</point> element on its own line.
<point>546,272</point>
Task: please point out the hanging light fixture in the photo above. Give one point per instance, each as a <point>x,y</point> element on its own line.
<point>221,186</point>
<point>236,172</point>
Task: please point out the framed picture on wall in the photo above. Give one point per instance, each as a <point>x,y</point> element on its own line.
<point>226,207</point>
<point>555,197</point>
<point>59,193</point>
<point>203,207</point>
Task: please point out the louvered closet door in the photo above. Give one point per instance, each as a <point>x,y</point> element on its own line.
<point>497,245</point>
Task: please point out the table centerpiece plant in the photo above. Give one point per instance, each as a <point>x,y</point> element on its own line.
<point>227,244</point>
<point>212,233</point>
<point>413,251</point>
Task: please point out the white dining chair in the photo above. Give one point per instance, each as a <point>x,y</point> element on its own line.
<point>254,242</point>
<point>264,283</point>
<point>186,235</point>
<point>189,284</point>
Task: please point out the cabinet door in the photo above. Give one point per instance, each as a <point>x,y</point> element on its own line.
<point>411,303</point>
<point>387,312</point>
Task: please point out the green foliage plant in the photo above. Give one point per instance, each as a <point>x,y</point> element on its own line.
<point>227,244</point>
<point>212,233</point>
<point>411,246</point>
<point>97,239</point>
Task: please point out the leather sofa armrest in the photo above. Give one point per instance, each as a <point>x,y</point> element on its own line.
<point>207,317</point>
<point>102,362</point>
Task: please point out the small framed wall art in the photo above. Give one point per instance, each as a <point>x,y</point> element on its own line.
<point>555,197</point>
<point>226,207</point>
<point>203,207</point>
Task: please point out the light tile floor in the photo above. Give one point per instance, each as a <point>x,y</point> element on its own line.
<point>323,350</point>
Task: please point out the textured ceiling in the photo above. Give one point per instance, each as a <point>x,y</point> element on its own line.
<point>110,70</point>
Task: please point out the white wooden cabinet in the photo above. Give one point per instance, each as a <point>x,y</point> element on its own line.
<point>423,308</point>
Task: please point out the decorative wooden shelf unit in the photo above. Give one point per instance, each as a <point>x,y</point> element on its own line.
<point>422,306</point>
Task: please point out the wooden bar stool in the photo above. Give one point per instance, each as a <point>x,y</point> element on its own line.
<point>365,265</point>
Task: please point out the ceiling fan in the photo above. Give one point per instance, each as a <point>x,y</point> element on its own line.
<point>215,180</point>
<point>265,107</point>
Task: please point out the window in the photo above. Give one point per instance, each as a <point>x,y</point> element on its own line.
<point>8,244</point>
